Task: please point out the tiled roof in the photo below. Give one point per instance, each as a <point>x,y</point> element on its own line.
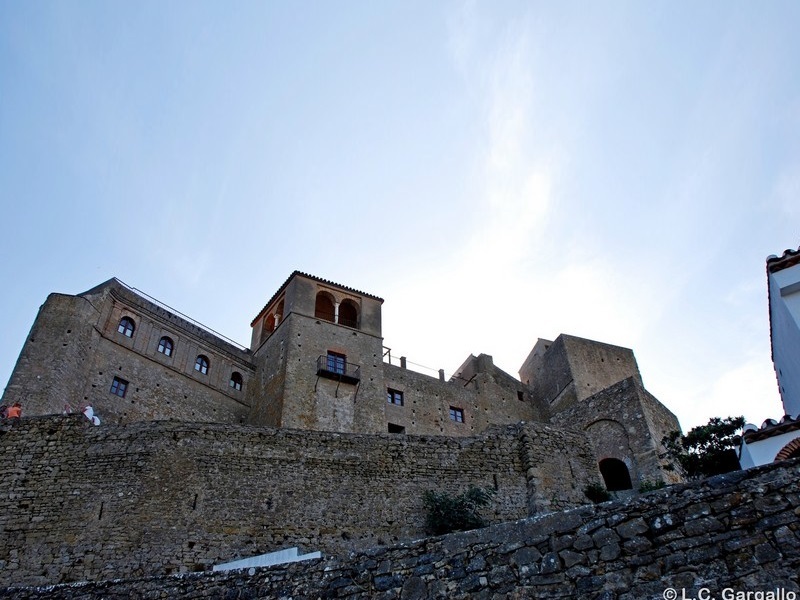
<point>778,263</point>
<point>315,278</point>
<point>771,428</point>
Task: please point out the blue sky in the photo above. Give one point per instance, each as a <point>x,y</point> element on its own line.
<point>497,171</point>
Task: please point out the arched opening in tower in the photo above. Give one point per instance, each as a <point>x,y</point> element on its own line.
<point>348,314</point>
<point>615,475</point>
<point>323,308</point>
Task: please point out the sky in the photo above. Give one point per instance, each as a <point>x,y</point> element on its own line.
<point>497,171</point>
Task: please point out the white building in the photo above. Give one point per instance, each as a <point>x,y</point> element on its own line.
<point>778,440</point>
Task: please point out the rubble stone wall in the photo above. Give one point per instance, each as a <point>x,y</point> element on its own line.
<point>730,536</point>
<point>79,502</point>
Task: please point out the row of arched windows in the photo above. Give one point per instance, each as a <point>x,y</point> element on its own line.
<point>343,313</point>
<point>166,347</point>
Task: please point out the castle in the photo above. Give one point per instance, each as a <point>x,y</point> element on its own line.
<point>311,436</point>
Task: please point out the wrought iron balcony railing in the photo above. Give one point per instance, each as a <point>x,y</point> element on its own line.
<point>336,367</point>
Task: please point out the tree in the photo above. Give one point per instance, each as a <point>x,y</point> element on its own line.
<point>448,513</point>
<point>707,449</point>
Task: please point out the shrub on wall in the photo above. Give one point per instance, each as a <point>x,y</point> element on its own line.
<point>596,493</point>
<point>446,513</point>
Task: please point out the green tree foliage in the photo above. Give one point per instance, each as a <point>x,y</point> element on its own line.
<point>707,449</point>
<point>446,513</point>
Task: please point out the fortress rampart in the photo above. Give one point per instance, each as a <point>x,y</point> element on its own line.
<point>724,537</point>
<point>79,502</point>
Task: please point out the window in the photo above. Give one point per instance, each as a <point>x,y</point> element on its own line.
<point>394,397</point>
<point>456,414</point>
<point>201,364</point>
<point>337,363</point>
<point>236,381</point>
<point>396,428</point>
<point>119,387</point>
<point>126,326</point>
<point>165,346</point>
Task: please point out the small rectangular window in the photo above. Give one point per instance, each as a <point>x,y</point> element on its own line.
<point>456,414</point>
<point>394,397</point>
<point>119,387</point>
<point>337,363</point>
<point>396,428</point>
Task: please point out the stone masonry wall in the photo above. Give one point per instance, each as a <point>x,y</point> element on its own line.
<point>74,351</point>
<point>626,422</point>
<point>54,357</point>
<point>734,536</point>
<point>79,502</point>
<point>427,402</point>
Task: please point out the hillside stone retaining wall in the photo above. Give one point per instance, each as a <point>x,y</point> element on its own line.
<point>79,502</point>
<point>731,537</point>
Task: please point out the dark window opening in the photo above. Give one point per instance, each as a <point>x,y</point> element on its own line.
<point>201,364</point>
<point>126,326</point>
<point>236,381</point>
<point>348,314</point>
<point>119,387</point>
<point>456,414</point>
<point>394,397</point>
<point>615,475</point>
<point>165,346</point>
<point>520,395</point>
<point>396,428</point>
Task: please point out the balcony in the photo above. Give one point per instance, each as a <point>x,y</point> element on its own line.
<point>337,368</point>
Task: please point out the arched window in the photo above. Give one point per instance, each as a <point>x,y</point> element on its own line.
<point>348,314</point>
<point>165,346</point>
<point>323,307</point>
<point>236,381</point>
<point>201,364</point>
<point>269,323</point>
<point>126,326</point>
<point>615,475</point>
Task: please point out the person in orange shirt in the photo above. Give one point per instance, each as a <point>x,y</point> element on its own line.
<point>14,411</point>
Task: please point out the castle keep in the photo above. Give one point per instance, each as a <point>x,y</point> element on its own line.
<point>209,451</point>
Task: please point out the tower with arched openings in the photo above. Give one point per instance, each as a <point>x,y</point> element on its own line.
<point>318,350</point>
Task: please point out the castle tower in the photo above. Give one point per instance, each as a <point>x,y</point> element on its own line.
<point>317,346</point>
<point>597,388</point>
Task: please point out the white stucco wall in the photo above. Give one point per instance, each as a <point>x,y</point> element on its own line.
<point>764,451</point>
<point>785,321</point>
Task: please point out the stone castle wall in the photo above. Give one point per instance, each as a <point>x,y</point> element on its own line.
<point>427,402</point>
<point>734,536</point>
<point>624,421</point>
<point>79,502</point>
<point>74,351</point>
<point>572,369</point>
<point>55,356</point>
